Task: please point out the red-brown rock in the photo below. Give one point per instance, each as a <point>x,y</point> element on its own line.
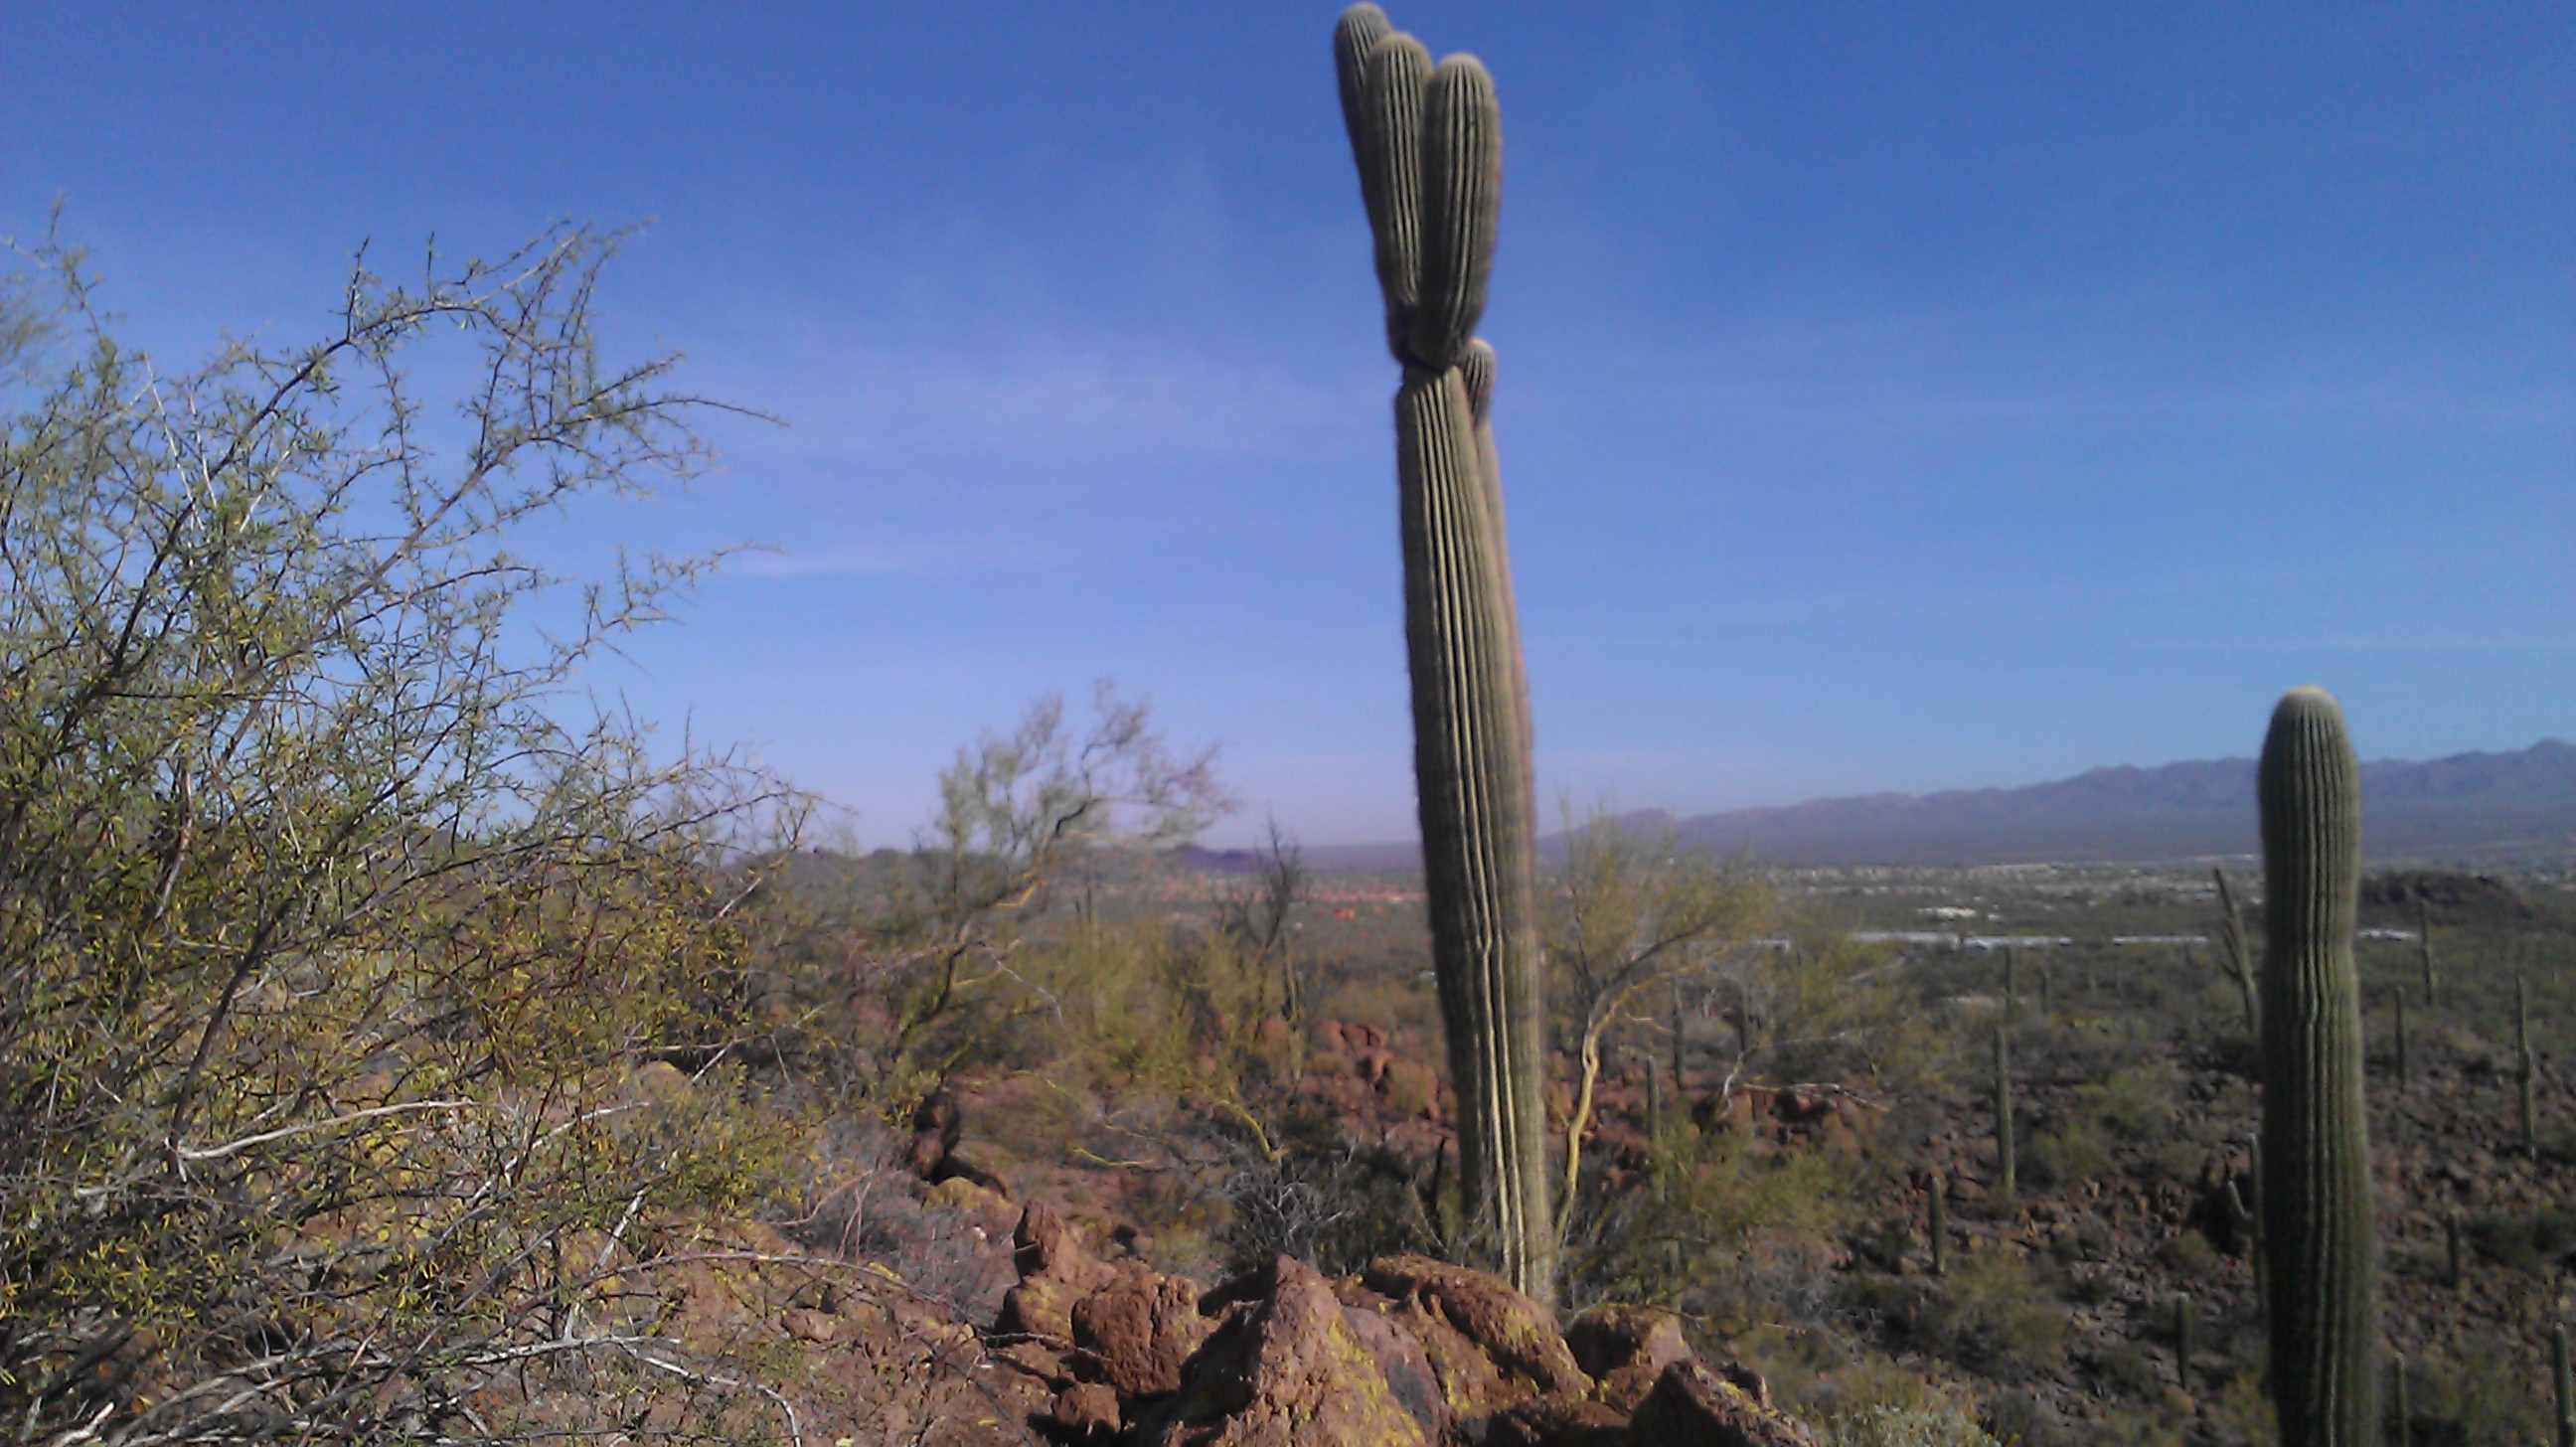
<point>1626,1350</point>
<point>1559,1422</point>
<point>1694,1406</point>
<point>1516,1334</point>
<point>1086,1412</point>
<point>1135,1333</point>
<point>1286,1370</point>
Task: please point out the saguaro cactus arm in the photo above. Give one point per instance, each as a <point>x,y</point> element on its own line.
<point>2317,1207</point>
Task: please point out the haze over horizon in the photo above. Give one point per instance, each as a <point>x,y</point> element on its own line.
<point>1891,400</point>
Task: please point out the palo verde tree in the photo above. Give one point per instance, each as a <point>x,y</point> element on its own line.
<point>1428,143</point>
<point>332,926</point>
<point>1632,915</point>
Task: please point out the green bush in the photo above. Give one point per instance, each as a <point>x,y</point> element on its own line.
<point>1995,1313</point>
<point>1928,1426</point>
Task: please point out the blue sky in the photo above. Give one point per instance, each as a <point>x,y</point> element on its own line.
<point>1892,397</point>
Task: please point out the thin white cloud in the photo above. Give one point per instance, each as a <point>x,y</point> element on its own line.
<point>891,557</point>
<point>1051,407</point>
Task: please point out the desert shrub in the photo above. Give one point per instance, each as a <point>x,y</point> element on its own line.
<point>1924,1426</point>
<point>2067,1149</point>
<point>1994,1314</point>
<point>2524,1242</point>
<point>335,931</point>
<point>2478,1396</point>
<point>1734,1224</point>
<point>1330,1202</point>
<point>2190,1256</point>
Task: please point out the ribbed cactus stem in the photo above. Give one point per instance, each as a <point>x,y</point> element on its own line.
<point>1939,1226</point>
<point>2317,1206</point>
<point>1462,172</point>
<point>1479,365</point>
<point>1428,144</point>
<point>2005,1174</point>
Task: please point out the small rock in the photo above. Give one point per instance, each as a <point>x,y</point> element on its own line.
<point>1626,1349</point>
<point>1559,1422</point>
<point>809,1325</point>
<point>1086,1412</point>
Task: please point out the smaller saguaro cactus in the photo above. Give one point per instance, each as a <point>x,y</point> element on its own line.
<point>2047,993</point>
<point>2558,1373</point>
<point>2451,1262</point>
<point>2233,954</point>
<point>2184,1319</point>
<point>1939,1227</point>
<point>2318,1214</point>
<point>2397,999</point>
<point>2424,953</point>
<point>2528,1072</point>
<point>2401,1418</point>
<point>2254,1203</point>
<point>2006,1177</point>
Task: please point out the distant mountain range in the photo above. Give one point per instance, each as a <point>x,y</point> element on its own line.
<point>2500,808</point>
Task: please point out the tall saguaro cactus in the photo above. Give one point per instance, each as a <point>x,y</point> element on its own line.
<point>1428,141</point>
<point>2317,1207</point>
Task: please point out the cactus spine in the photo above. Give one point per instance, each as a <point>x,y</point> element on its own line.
<point>2316,1198</point>
<point>1428,143</point>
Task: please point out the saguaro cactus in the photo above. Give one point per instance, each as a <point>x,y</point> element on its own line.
<point>2007,1176</point>
<point>2424,952</point>
<point>2565,1384</point>
<point>1428,142</point>
<point>2316,1197</point>
<point>2527,1071</point>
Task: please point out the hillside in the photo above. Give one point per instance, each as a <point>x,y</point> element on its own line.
<point>2484,807</point>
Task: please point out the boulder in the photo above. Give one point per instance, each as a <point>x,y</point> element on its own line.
<point>1085,1412</point>
<point>1626,1349</point>
<point>1693,1405</point>
<point>1287,1369</point>
<point>1135,1333</point>
<point>1515,1335</point>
